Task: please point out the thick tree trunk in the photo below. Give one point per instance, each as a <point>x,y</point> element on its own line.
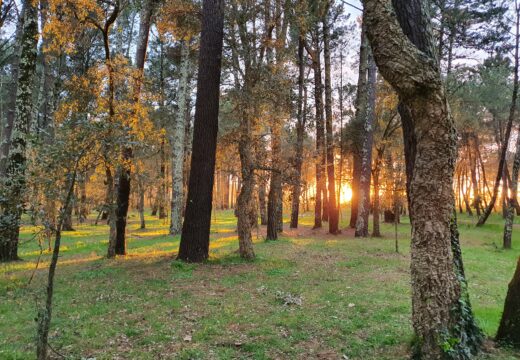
<point>13,183</point>
<point>366,152</point>
<point>246,211</point>
<point>194,245</point>
<point>509,329</point>
<point>177,142</point>
<point>408,62</point>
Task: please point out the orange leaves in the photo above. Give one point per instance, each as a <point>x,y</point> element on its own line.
<point>179,19</point>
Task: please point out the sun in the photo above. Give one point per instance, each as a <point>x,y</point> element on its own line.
<point>345,194</point>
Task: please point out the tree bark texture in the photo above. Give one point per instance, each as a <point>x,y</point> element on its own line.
<point>194,245</point>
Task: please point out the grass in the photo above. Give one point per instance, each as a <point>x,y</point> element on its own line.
<point>355,294</point>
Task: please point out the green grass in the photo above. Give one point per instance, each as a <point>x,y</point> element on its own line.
<point>355,294</point>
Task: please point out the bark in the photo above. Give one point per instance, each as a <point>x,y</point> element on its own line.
<point>376,231</point>
<point>510,214</point>
<point>177,141</point>
<point>194,245</point>
<point>161,190</point>
<point>332,209</point>
<point>412,69</point>
<point>320,130</point>
<point>246,211</point>
<point>360,116</point>
<point>7,128</point>
<point>509,329</point>
<point>141,205</point>
<point>274,201</point>
<point>472,158</point>
<point>262,203</point>
<point>13,189</point>
<point>300,132</point>
<point>366,153</point>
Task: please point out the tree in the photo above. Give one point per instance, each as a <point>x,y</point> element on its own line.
<point>122,188</point>
<point>365,158</point>
<point>178,140</point>
<point>435,287</point>
<point>505,141</point>
<point>300,129</point>
<point>508,227</point>
<point>333,214</point>
<point>12,193</point>
<point>194,245</point>
<point>357,124</point>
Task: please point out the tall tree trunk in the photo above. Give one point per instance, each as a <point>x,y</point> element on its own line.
<point>123,172</point>
<point>161,190</point>
<point>361,113</point>
<point>300,132</point>
<point>13,189</point>
<point>320,130</point>
<point>194,245</point>
<point>332,209</point>
<point>409,63</point>
<point>510,214</point>
<point>177,141</point>
<point>366,153</point>
<point>7,128</point>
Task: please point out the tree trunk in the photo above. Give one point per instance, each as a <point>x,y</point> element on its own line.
<point>361,113</point>
<point>300,132</point>
<point>194,245</point>
<point>409,63</point>
<point>245,204</point>
<point>366,152</point>
<point>12,191</point>
<point>7,128</point>
<point>262,203</point>
<point>140,190</point>
<point>124,169</point>
<point>178,140</point>
<point>376,232</point>
<point>274,200</point>
<point>45,314</point>
<point>332,208</point>
<point>320,131</point>
<point>509,329</point>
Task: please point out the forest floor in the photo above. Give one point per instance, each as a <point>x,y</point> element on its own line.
<point>309,295</point>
